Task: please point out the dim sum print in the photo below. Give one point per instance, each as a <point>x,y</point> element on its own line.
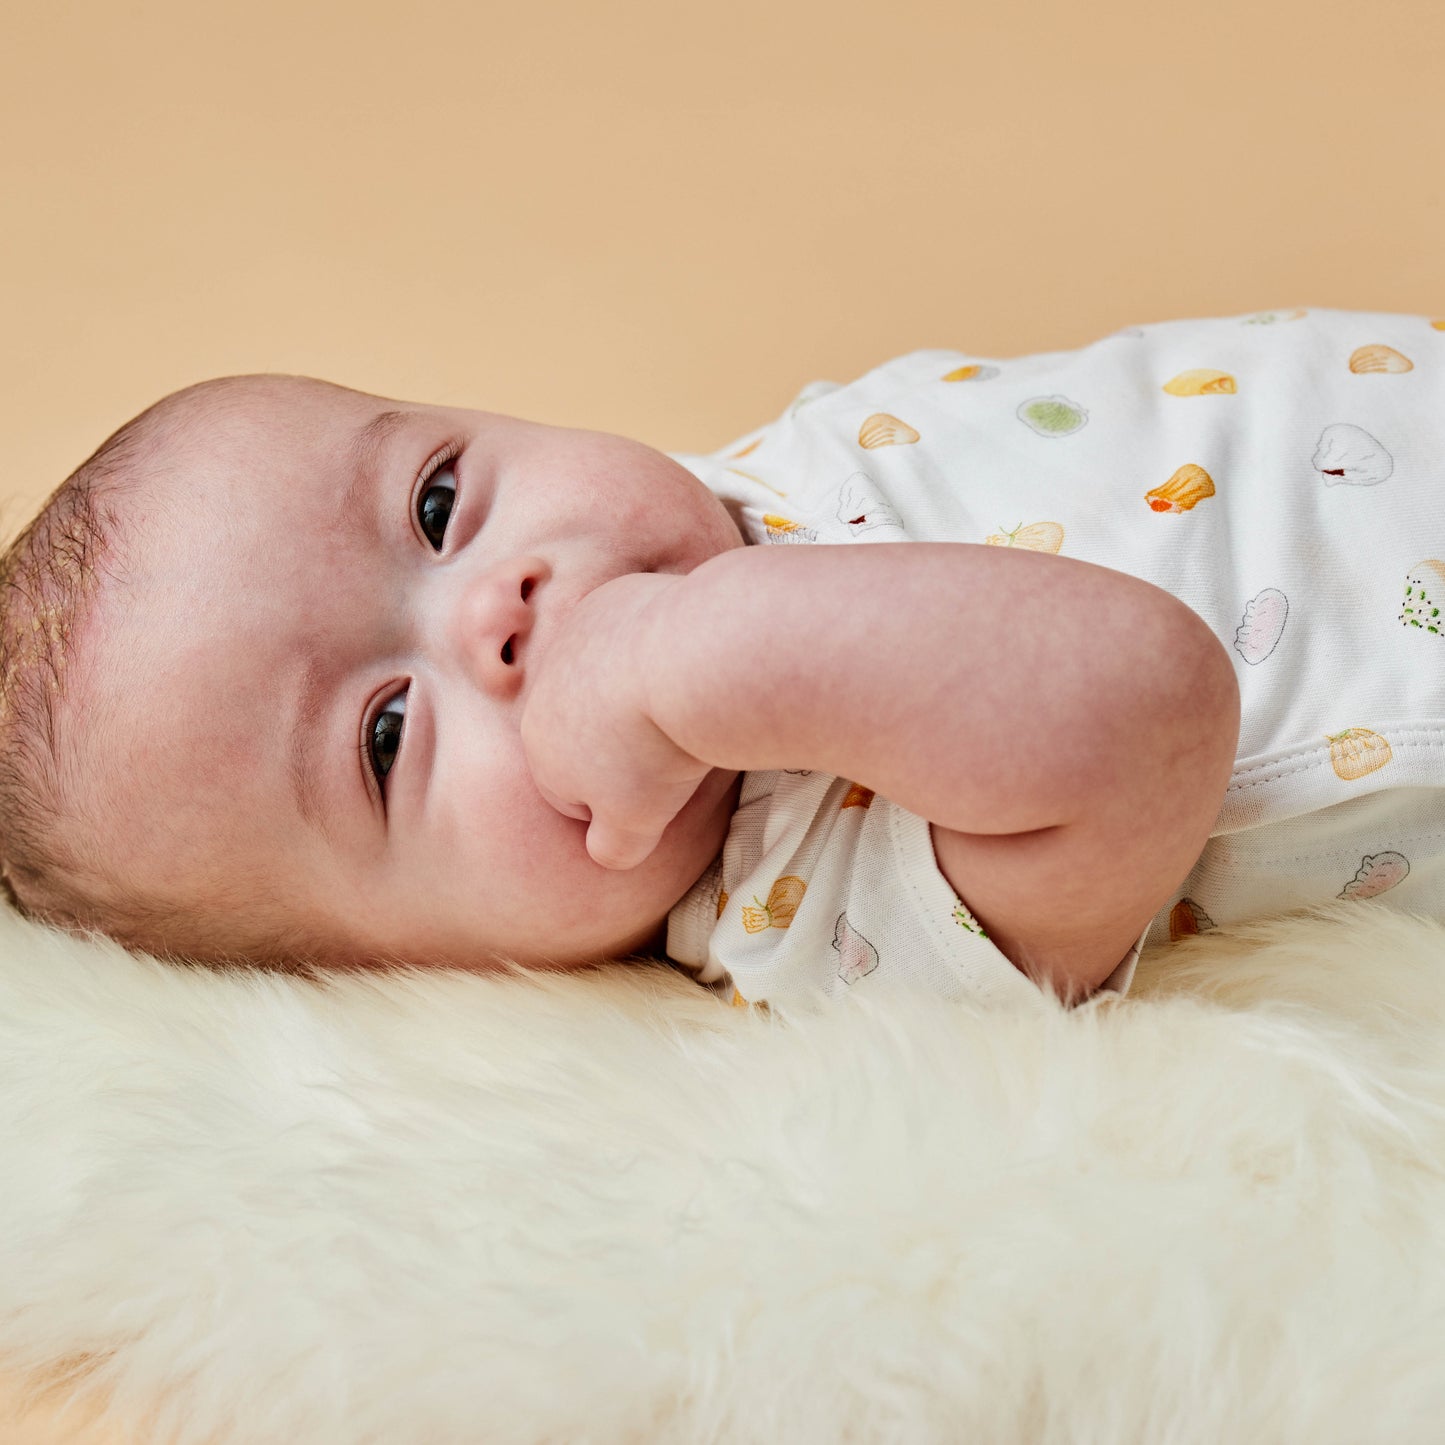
<point>1201,382</point>
<point>860,508</point>
<point>1259,633</point>
<point>1349,454</point>
<point>856,956</point>
<point>1379,358</point>
<point>781,908</point>
<point>1378,873</point>
<point>785,532</point>
<point>978,371</point>
<point>1052,416</point>
<point>1357,752</point>
<point>1268,318</point>
<point>1187,918</point>
<point>1184,491</point>
<point>882,430</point>
<point>1035,537</point>
<point>1425,597</point>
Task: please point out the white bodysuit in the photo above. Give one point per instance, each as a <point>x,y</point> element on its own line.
<point>1283,474</point>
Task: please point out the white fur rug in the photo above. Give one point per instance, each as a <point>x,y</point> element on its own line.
<point>446,1210</point>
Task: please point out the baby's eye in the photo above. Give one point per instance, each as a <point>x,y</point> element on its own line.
<point>386,736</point>
<point>434,505</point>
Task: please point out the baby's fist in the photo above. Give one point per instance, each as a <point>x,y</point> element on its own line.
<point>594,751</point>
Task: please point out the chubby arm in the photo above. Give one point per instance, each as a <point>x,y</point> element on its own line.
<point>1067,729</point>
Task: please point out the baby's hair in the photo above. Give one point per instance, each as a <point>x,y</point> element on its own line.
<point>48,576</point>
<point>51,869</point>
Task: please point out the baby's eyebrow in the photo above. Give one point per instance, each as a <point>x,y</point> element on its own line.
<point>367,449</point>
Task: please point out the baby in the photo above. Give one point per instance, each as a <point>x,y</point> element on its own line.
<point>1146,638</point>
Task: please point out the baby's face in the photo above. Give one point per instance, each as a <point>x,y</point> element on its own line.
<point>307,682</point>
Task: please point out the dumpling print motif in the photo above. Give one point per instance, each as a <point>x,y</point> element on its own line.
<point>1201,382</point>
<point>1036,537</point>
<point>857,796</point>
<point>1268,318</point>
<point>1357,752</point>
<point>1425,596</point>
<point>965,919</point>
<point>862,509</point>
<point>1379,358</point>
<point>781,530</point>
<point>977,372</point>
<point>1264,617</point>
<point>856,956</point>
<point>1187,918</point>
<point>1052,416</point>
<point>1189,486</point>
<point>1349,454</point>
<point>882,430</point>
<point>781,908</point>
<point>1378,873</point>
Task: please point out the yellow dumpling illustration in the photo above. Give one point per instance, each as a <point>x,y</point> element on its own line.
<point>978,371</point>
<point>783,529</point>
<point>1189,486</point>
<point>722,902</point>
<point>782,906</point>
<point>1438,325</point>
<point>1036,537</point>
<point>857,796</point>
<point>1379,358</point>
<point>882,430</point>
<point>1201,382</point>
<point>1356,752</point>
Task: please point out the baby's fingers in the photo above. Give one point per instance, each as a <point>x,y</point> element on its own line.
<point>619,848</point>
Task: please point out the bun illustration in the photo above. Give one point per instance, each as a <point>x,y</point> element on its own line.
<point>1349,454</point>
<point>1379,358</point>
<point>882,430</point>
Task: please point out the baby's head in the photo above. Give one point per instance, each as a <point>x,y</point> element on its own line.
<point>262,662</point>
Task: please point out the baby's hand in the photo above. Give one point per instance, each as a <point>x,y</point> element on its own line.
<point>594,751</point>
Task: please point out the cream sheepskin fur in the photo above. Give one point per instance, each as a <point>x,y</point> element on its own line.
<point>437,1209</point>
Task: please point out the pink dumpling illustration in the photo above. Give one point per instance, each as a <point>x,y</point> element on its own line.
<point>1264,618</point>
<point>856,956</point>
<point>1378,873</point>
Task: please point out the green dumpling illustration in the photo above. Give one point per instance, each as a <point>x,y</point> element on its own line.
<point>1425,596</point>
<point>1053,416</point>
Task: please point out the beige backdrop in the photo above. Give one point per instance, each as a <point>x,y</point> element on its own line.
<point>661,218</point>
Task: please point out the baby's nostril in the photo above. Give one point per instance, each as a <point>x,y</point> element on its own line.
<point>526,588</point>
<point>507,651</point>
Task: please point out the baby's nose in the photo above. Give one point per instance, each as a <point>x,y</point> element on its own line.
<point>493,622</point>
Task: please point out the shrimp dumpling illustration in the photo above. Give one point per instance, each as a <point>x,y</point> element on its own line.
<point>1378,873</point>
<point>1349,454</point>
<point>1201,382</point>
<point>1052,416</point>
<point>1379,358</point>
<point>882,430</point>
<point>856,956</point>
<point>1259,633</point>
<point>1189,486</point>
<point>1425,597</point>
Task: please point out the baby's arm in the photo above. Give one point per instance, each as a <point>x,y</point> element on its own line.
<point>1068,730</point>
